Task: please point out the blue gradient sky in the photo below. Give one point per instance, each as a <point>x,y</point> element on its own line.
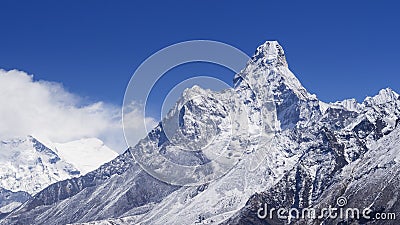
<point>338,50</point>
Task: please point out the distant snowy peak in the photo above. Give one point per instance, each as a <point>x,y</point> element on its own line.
<point>386,95</point>
<point>28,165</point>
<point>85,154</point>
<point>347,104</point>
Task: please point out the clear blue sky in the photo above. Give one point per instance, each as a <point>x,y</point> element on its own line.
<point>338,50</point>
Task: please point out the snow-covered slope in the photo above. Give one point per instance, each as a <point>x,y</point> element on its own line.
<point>85,154</point>
<point>28,165</point>
<point>10,200</point>
<point>288,150</point>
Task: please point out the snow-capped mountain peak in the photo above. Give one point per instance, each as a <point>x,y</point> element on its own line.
<point>304,148</point>
<point>268,75</point>
<point>28,165</point>
<point>384,96</point>
<point>267,83</point>
<point>270,54</point>
<point>347,104</point>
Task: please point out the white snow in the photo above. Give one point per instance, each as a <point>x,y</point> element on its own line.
<point>9,207</point>
<point>323,106</point>
<point>256,131</point>
<point>85,154</point>
<point>26,164</point>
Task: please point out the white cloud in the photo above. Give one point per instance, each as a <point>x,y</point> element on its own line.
<point>46,109</point>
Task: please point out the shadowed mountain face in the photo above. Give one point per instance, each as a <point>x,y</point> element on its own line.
<point>300,153</point>
<point>10,200</point>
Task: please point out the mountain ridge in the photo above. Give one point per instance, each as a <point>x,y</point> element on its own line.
<point>294,149</point>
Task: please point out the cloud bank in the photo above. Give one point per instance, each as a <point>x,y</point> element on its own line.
<point>46,110</point>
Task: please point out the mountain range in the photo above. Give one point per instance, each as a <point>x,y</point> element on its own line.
<point>284,147</point>
<point>27,165</point>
